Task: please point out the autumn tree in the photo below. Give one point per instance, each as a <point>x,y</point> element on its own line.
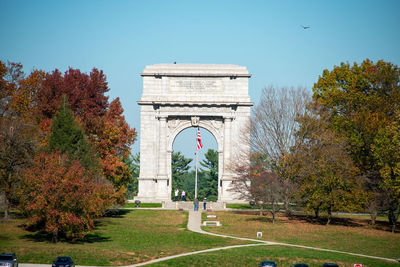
<point>85,93</point>
<point>326,176</point>
<point>63,191</point>
<point>254,182</point>
<point>103,122</point>
<point>10,76</point>
<point>62,197</point>
<point>113,145</point>
<point>35,100</point>
<point>17,143</point>
<point>272,130</point>
<point>16,151</point>
<point>24,97</point>
<point>386,152</point>
<point>363,100</point>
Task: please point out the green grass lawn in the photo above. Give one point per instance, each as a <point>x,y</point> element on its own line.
<point>240,206</point>
<point>283,256</point>
<point>345,234</point>
<point>143,205</point>
<point>133,236</point>
<point>129,237</point>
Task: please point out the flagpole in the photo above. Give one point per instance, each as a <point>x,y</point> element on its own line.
<point>195,181</point>
<point>198,146</point>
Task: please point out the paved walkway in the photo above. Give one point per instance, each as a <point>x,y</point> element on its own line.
<point>194,224</point>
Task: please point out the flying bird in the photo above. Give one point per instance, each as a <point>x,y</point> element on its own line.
<point>305,27</point>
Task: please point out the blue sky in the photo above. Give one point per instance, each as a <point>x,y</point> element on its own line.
<point>122,37</point>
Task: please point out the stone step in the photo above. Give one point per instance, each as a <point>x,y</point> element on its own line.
<point>188,205</point>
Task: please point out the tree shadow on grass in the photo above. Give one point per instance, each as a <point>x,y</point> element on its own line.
<point>42,236</point>
<point>261,219</point>
<point>47,238</point>
<point>246,212</point>
<point>322,220</point>
<point>348,222</point>
<point>4,237</point>
<point>116,213</point>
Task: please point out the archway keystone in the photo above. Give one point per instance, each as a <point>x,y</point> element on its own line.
<point>179,96</point>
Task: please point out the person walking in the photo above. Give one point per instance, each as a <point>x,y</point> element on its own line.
<point>183,195</point>
<point>176,194</point>
<point>205,203</point>
<point>196,204</point>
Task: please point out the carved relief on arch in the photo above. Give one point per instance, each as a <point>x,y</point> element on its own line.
<point>215,125</point>
<point>173,123</point>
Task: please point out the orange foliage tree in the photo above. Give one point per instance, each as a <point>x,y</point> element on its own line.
<point>104,124</point>
<point>63,197</point>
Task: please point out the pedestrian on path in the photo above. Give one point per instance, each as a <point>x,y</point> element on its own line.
<point>196,204</point>
<point>205,203</point>
<point>183,195</point>
<point>176,194</point>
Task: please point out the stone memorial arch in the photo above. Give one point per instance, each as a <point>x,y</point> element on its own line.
<point>178,96</point>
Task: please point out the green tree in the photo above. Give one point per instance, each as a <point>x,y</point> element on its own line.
<point>208,184</point>
<point>326,175</point>
<point>68,137</point>
<point>386,150</point>
<point>189,183</point>
<point>133,163</point>
<point>362,101</point>
<point>180,167</point>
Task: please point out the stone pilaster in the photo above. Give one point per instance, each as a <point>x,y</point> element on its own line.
<point>162,154</point>
<point>227,145</point>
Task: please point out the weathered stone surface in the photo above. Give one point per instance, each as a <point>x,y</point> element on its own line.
<point>179,96</point>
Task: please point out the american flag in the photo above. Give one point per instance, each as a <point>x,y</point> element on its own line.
<point>199,145</point>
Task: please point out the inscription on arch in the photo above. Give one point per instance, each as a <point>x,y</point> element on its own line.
<point>198,85</point>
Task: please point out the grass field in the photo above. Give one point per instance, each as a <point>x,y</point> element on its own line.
<point>129,237</point>
<point>143,205</point>
<point>345,234</point>
<point>132,236</point>
<point>283,256</point>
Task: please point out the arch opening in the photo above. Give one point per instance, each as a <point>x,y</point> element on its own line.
<point>182,164</point>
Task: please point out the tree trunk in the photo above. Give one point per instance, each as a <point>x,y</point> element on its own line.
<point>55,237</point>
<point>392,219</point>
<point>372,208</point>
<point>273,212</point>
<point>390,216</point>
<point>7,209</point>
<point>261,210</point>
<point>329,216</point>
<point>316,212</point>
<point>288,211</point>
<point>374,214</point>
